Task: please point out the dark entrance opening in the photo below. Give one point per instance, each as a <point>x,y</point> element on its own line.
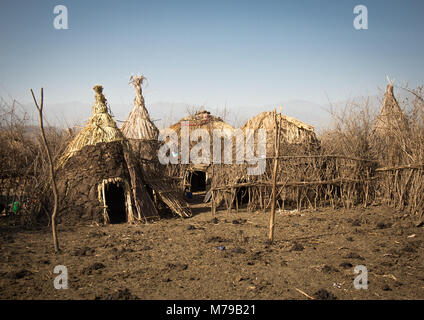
<point>242,196</point>
<point>115,201</point>
<point>198,181</point>
<point>150,192</point>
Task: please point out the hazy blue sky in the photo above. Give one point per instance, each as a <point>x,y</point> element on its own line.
<point>209,52</point>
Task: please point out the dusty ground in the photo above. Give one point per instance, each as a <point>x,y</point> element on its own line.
<point>314,254</point>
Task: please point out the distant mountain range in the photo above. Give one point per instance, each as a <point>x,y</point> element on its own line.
<point>166,113</point>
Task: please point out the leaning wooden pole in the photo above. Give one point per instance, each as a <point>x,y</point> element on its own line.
<point>52,172</point>
<point>274,174</point>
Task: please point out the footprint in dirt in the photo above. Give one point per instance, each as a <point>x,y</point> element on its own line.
<point>97,234</point>
<point>216,239</point>
<point>382,225</point>
<point>239,221</point>
<point>118,295</point>
<point>176,266</point>
<point>323,294</point>
<point>20,274</point>
<point>354,255</point>
<point>297,247</point>
<point>329,269</point>
<point>238,250</point>
<point>85,251</point>
<point>356,223</point>
<point>95,267</point>
<point>409,248</point>
<point>346,265</point>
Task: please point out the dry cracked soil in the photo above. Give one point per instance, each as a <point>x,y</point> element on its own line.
<point>226,256</point>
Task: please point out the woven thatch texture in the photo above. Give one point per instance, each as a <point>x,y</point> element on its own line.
<point>293,131</point>
<point>167,191</point>
<point>391,117</point>
<point>202,120</point>
<point>138,125</point>
<point>296,130</point>
<point>100,128</point>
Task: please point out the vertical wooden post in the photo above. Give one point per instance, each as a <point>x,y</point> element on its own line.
<point>213,206</point>
<point>274,173</point>
<point>236,199</point>
<point>51,166</point>
<point>213,184</point>
<point>230,201</point>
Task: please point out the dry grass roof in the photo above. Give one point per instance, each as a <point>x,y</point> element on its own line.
<point>202,120</point>
<point>293,130</point>
<point>265,120</point>
<point>138,125</point>
<point>391,116</point>
<point>100,128</point>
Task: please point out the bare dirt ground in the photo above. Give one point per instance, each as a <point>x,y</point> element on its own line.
<point>222,257</point>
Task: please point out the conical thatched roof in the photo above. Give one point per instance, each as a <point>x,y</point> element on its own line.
<point>100,128</point>
<point>100,158</point>
<point>143,135</point>
<point>391,117</point>
<point>138,125</point>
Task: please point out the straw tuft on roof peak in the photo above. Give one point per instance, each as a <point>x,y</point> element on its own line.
<point>391,117</point>
<point>100,128</point>
<point>202,119</point>
<point>138,125</point>
<point>100,104</point>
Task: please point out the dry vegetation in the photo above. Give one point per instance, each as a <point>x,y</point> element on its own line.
<point>356,164</point>
<point>353,166</point>
<point>392,156</point>
<point>353,169</point>
<point>24,168</point>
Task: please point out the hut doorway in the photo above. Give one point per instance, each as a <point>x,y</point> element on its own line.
<point>197,181</point>
<point>242,197</point>
<point>115,202</point>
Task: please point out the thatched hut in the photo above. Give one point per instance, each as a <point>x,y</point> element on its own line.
<point>391,118</point>
<point>139,128</point>
<point>293,132</point>
<point>143,136</point>
<point>196,177</point>
<point>391,131</point>
<point>98,177</point>
<point>235,185</point>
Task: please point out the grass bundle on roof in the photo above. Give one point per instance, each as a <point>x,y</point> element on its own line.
<point>138,125</point>
<point>100,128</point>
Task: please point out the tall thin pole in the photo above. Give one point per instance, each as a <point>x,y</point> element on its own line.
<point>277,121</point>
<point>51,166</point>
